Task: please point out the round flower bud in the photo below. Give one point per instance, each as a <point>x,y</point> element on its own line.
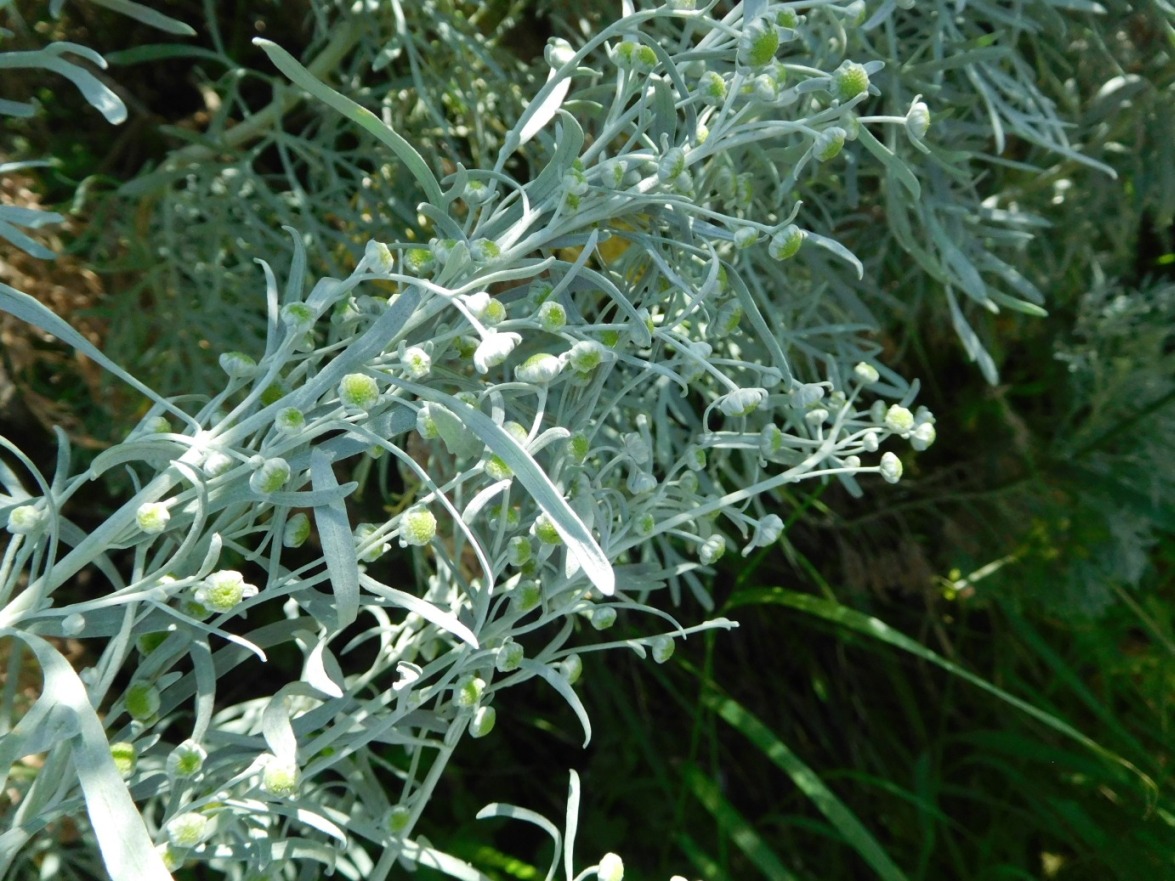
<point>579,446</point>
<point>526,595</point>
<point>142,701</point>
<point>378,258</point>
<point>663,648</point>
<point>765,88</point>
<point>891,468</point>
<point>688,483</point>
<point>545,531</point>
<point>558,52</point>
<point>786,243</point>
<point>125,756</point>
<point>289,420</point>
<point>611,868</point>
<point>482,722</point>
<point>571,668</point>
<point>645,525</point>
<point>369,551</point>
<point>538,369</point>
<point>509,656</point>
<point>899,419</point>
<point>829,143</point>
<point>612,172</point>
<point>603,617</point>
<point>712,549</point>
<point>771,440</point>
<point>552,316</point>
<point>238,365</point>
<point>917,120</point>
<point>476,192</point>
<point>484,251</point>
<point>468,691</point>
<point>217,463</point>
<point>816,416</point>
<point>519,550</point>
<point>742,402</point>
<point>494,314</point>
<point>296,531</point>
<point>849,81</point>
<point>758,44</point>
<point>870,441</point>
<point>787,18</point>
<point>641,482</point>
<point>712,88</point>
<point>270,477</point>
<point>416,361</point>
<point>745,237</point>
<point>644,59</point>
<point>866,373</point>
<point>358,392</point>
<point>695,458</point>
<point>186,760</point>
<point>188,830</point>
<point>418,527</point>
<point>396,820</point>
<point>923,436</point>
<point>279,777</point>
<point>767,531</point>
<point>152,517</point>
<point>494,349</point>
<point>419,261</point>
<point>72,625</point>
<point>27,519</point>
<point>586,355</point>
<point>222,591</point>
<point>671,166</point>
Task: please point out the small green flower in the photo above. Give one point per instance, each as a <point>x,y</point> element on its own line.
<point>419,261</point>
<point>379,258</point>
<point>188,830</point>
<point>358,391</point>
<point>289,420</point>
<point>526,595</point>
<point>850,80</point>
<point>142,701</point>
<point>270,477</point>
<point>579,446</point>
<point>611,868</point>
<point>298,317</point>
<point>519,550</point>
<point>603,617</point>
<point>152,517</point>
<point>125,756</point>
<point>899,419</point>
<point>297,530</point>
<point>397,818</point>
<point>786,243</point>
<point>418,527</point>
<point>586,355</point>
<point>469,691</point>
<point>238,365</point>
<point>482,722</point>
<point>416,361</point>
<point>663,648</point>
<point>712,549</point>
<point>186,760</point>
<point>279,777</point>
<point>712,88</point>
<point>484,251</point>
<point>829,143</point>
<point>509,656</point>
<point>552,316</point>
<point>545,531</point>
<point>758,44</point>
<point>28,519</point>
<point>223,591</point>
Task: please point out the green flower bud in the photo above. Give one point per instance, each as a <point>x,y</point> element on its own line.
<point>469,691</point>
<point>611,868</point>
<point>223,591</point>
<point>238,365</point>
<point>552,316</point>
<point>28,519</point>
<point>712,549</point>
<point>419,261</point>
<point>538,369</point>
<point>849,81</point>
<point>758,44</point>
<point>142,701</point>
<point>829,143</point>
<point>280,778</point>
<point>509,656</point>
<point>297,530</point>
<point>603,617</point>
<point>899,419</point>
<point>125,756</point>
<point>663,648</point>
<point>418,527</point>
<point>270,477</point>
<point>482,722</point>
<point>786,243</point>
<point>712,88</point>
<point>186,760</point>
<point>188,830</point>
<point>416,361</point>
<point>289,420</point>
<point>358,391</point>
<point>545,531</point>
<point>866,373</point>
<point>571,668</point>
<point>891,468</point>
<point>152,517</point>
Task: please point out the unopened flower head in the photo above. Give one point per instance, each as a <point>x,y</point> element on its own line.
<point>142,701</point>
<point>923,436</point>
<point>759,43</point>
<point>742,402</point>
<point>28,519</point>
<point>238,365</point>
<point>494,349</point>
<point>712,549</point>
<point>188,830</point>
<point>152,517</point>
<point>222,591</point>
<point>469,691</point>
<point>358,392</point>
<point>850,80</point>
<point>712,88</point>
<point>418,527</point>
<point>552,316</point>
<point>379,258</point>
<point>417,362</point>
<point>270,476</point>
<point>611,868</point>
<point>891,467</point>
<point>918,120</point>
<point>289,420</point>
<point>786,243</point>
<point>586,355</point>
<point>509,656</point>
<point>482,722</point>
<point>538,369</point>
<point>186,760</point>
<point>829,143</point>
<point>296,531</point>
<point>280,777</point>
<point>899,419</point>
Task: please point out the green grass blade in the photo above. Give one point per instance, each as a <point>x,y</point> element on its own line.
<point>808,782</point>
<point>735,826</point>
<point>879,630</point>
